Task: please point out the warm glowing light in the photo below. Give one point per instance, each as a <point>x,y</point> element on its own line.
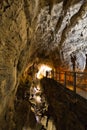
<point>38,99</point>
<point>42,71</point>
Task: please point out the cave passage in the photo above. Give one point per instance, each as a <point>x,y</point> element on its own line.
<point>46,103</point>
<point>37,38</point>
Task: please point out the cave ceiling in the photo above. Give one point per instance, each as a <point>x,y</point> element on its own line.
<point>60,32</point>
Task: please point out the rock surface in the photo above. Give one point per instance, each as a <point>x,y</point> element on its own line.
<point>52,31</point>
<point>57,109</point>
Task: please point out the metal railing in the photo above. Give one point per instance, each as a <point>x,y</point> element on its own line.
<point>75,81</point>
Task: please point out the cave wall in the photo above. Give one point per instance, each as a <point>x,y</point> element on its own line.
<point>58,32</point>
<point>13,47</point>
<point>49,30</point>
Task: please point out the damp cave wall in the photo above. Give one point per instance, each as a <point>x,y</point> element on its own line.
<point>27,29</point>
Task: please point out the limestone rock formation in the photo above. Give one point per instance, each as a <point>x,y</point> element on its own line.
<point>54,107</point>
<point>51,30</point>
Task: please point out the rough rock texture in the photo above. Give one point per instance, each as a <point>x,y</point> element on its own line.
<point>59,32</point>
<point>52,31</point>
<point>54,107</point>
<point>13,46</point>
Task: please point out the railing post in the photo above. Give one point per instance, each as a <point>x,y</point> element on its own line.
<point>74,82</point>
<point>65,79</point>
<point>59,76</point>
<point>56,75</point>
<point>53,74</point>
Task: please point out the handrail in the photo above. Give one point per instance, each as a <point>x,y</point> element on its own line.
<point>72,80</point>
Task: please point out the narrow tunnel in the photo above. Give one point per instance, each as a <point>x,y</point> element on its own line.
<point>43,47</point>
